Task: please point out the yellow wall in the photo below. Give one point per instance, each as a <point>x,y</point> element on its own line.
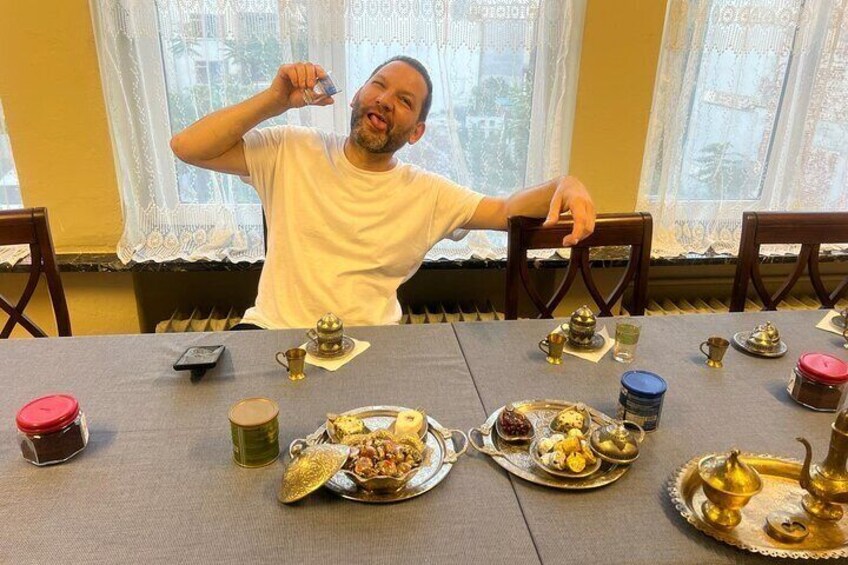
<point>621,41</point>
<point>51,93</point>
<point>50,87</point>
<point>98,303</point>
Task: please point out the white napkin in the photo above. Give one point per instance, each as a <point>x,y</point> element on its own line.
<point>827,325</point>
<point>335,364</point>
<point>593,356</point>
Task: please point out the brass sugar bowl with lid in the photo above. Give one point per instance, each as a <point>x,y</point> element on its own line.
<point>765,338</point>
<point>615,443</point>
<point>328,333</point>
<point>581,326</point>
<point>729,484</point>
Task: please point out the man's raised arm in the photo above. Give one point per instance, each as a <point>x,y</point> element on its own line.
<point>215,141</point>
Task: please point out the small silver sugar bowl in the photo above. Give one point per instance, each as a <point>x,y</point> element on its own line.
<point>581,327</point>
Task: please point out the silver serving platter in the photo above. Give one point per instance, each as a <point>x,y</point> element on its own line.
<point>740,341</point>
<point>516,459</point>
<point>838,321</point>
<point>347,347</point>
<point>443,454</point>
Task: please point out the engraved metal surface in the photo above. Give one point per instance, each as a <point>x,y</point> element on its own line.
<point>781,492</point>
<point>517,460</point>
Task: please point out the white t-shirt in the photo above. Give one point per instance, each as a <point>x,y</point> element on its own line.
<point>341,239</point>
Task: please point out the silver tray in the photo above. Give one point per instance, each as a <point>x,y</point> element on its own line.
<point>781,492</point>
<point>347,347</point>
<point>740,342</point>
<point>444,453</point>
<point>516,459</point>
<point>838,321</point>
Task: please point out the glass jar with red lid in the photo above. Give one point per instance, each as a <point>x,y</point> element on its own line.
<point>51,429</point>
<point>819,381</point>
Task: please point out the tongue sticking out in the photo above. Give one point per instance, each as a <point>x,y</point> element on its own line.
<point>376,122</point>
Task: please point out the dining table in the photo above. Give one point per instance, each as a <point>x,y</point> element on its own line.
<point>157,482</point>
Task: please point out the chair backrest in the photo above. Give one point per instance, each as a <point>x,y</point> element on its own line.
<point>29,227</point>
<point>632,230</point>
<point>810,229</point>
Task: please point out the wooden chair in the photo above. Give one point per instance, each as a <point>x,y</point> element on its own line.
<point>810,230</point>
<point>29,226</point>
<point>632,230</point>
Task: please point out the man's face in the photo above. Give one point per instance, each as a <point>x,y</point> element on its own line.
<point>386,109</point>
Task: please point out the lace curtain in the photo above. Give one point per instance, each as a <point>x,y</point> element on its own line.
<point>10,193</point>
<point>750,112</point>
<point>504,74</point>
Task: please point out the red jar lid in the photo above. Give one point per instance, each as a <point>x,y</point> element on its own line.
<point>47,414</point>
<point>823,368</point>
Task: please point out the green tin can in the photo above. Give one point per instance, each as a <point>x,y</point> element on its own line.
<point>255,431</point>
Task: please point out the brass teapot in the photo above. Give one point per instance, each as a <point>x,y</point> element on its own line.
<point>827,483</point>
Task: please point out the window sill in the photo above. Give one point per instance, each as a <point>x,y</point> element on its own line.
<point>109,263</point>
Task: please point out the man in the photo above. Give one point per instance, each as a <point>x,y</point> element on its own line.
<point>347,222</point>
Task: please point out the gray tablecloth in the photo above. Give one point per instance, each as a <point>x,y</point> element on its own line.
<point>744,405</point>
<point>157,483</point>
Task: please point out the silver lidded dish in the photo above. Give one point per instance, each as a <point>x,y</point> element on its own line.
<point>763,341</point>
<point>581,329</point>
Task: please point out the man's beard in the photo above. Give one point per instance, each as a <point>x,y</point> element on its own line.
<point>371,140</point>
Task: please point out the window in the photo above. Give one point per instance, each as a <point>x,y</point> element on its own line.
<point>750,112</point>
<point>10,193</point>
<point>503,70</point>
<point>10,190</point>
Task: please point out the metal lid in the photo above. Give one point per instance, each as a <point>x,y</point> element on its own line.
<point>644,383</point>
<point>729,474</point>
<point>786,527</point>
<point>310,469</point>
<point>253,412</point>
<point>615,443</point>
<point>765,336</point>
<point>583,317</point>
<point>329,322</point>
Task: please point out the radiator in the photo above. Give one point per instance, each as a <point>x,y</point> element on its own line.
<point>713,305</point>
<point>198,320</point>
<point>221,319</point>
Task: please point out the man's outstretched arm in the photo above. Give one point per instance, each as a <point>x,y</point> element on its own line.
<point>547,200</point>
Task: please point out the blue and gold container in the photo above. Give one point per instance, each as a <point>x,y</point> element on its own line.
<point>641,398</point>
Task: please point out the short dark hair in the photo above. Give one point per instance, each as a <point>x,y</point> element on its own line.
<point>422,70</point>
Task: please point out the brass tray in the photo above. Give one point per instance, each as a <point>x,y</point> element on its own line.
<point>444,453</point>
<point>781,492</point>
<point>347,347</point>
<point>516,458</point>
<point>740,342</point>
